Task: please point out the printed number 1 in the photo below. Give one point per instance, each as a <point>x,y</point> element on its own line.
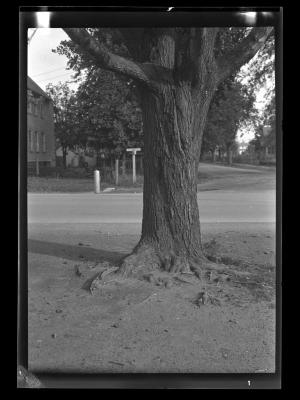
<point>248,383</point>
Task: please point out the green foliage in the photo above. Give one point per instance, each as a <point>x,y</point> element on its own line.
<point>109,113</point>
<point>261,68</point>
<point>268,119</point>
<point>231,107</point>
<point>228,38</point>
<point>110,116</point>
<point>66,116</point>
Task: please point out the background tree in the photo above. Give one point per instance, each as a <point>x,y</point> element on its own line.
<point>176,72</point>
<point>265,139</point>
<point>66,118</point>
<point>109,99</point>
<point>230,109</point>
<point>109,112</point>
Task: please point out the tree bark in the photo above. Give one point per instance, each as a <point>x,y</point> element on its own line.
<point>213,155</point>
<point>123,167</point>
<point>141,165</point>
<point>220,154</point>
<point>229,155</point>
<point>64,157</point>
<point>171,228</point>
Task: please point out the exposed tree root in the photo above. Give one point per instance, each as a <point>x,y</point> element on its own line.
<point>146,258</point>
<point>146,261</point>
<point>143,259</point>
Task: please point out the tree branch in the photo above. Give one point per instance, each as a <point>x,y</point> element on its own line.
<point>147,73</point>
<point>243,52</point>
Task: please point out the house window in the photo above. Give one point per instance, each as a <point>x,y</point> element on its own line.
<point>35,108</point>
<point>42,110</point>
<point>29,106</point>
<point>31,140</point>
<point>37,143</point>
<point>43,142</point>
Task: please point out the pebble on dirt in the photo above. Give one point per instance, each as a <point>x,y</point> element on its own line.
<point>77,270</point>
<point>202,298</point>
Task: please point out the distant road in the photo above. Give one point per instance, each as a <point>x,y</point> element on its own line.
<point>214,206</point>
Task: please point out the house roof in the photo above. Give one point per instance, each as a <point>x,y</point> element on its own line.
<point>31,85</point>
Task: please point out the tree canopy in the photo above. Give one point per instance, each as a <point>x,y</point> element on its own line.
<point>110,104</point>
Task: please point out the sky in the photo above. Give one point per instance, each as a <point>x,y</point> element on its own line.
<point>46,67</point>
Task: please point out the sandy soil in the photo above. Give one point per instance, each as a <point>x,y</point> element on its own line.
<point>137,326</point>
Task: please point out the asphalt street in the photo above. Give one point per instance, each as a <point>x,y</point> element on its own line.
<point>222,206</point>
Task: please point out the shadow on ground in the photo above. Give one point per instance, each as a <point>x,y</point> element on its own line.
<point>76,253</point>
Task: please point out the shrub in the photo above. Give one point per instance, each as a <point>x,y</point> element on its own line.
<point>73,172</point>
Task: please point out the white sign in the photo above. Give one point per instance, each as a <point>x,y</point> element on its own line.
<point>136,149</point>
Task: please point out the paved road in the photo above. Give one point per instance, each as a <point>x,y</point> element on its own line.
<point>214,206</point>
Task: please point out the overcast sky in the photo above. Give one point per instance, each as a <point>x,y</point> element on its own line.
<point>45,67</point>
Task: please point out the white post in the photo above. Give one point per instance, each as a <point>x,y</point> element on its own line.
<point>133,162</point>
<point>97,181</point>
<point>133,168</point>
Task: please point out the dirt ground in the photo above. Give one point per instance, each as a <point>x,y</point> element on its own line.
<point>138,326</point>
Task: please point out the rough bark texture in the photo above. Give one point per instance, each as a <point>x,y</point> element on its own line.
<point>173,121</point>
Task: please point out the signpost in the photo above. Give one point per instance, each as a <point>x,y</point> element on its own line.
<point>117,171</point>
<point>97,181</point>
<point>133,152</point>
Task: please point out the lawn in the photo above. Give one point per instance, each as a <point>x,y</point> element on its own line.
<point>48,185</point>
<point>210,177</point>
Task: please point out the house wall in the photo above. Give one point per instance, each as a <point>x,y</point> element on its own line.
<point>41,122</point>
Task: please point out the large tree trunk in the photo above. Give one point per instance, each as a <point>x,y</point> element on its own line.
<point>171,229</point>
